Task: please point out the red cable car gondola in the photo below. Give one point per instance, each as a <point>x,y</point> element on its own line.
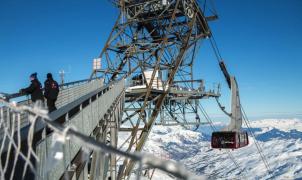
<point>229,139</point>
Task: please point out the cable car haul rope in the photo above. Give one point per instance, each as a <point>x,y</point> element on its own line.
<point>232,137</point>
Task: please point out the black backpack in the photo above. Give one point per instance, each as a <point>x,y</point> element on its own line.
<point>53,90</point>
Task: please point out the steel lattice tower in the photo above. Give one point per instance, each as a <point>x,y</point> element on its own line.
<point>152,46</point>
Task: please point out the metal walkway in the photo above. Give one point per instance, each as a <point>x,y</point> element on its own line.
<point>91,108</point>
<point>102,106</point>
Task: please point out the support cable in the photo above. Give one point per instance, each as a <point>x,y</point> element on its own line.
<point>214,9</point>
<point>215,48</point>
<point>259,149</point>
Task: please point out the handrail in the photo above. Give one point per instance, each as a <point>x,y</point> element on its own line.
<point>67,110</point>
<point>7,96</point>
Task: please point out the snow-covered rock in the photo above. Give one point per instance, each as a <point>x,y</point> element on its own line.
<point>280,140</point>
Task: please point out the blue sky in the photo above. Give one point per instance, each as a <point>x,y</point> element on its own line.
<point>260,41</point>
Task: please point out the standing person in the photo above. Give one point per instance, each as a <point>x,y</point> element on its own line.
<point>34,89</point>
<point>51,92</point>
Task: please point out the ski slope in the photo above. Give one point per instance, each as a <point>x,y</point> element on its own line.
<point>280,139</point>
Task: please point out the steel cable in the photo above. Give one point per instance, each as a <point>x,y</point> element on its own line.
<point>259,149</point>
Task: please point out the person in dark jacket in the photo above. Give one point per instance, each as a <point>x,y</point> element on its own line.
<point>34,89</point>
<point>51,92</point>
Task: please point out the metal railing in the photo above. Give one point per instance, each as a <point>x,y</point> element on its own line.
<point>8,97</point>
<point>68,93</point>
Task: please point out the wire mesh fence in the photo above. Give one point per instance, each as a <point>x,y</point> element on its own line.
<point>17,150</point>
<point>22,159</point>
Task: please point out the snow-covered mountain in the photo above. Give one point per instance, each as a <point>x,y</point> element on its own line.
<point>280,139</point>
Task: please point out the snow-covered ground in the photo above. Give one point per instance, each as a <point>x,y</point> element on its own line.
<point>280,139</point>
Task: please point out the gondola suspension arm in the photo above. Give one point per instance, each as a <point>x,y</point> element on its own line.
<point>236,114</point>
